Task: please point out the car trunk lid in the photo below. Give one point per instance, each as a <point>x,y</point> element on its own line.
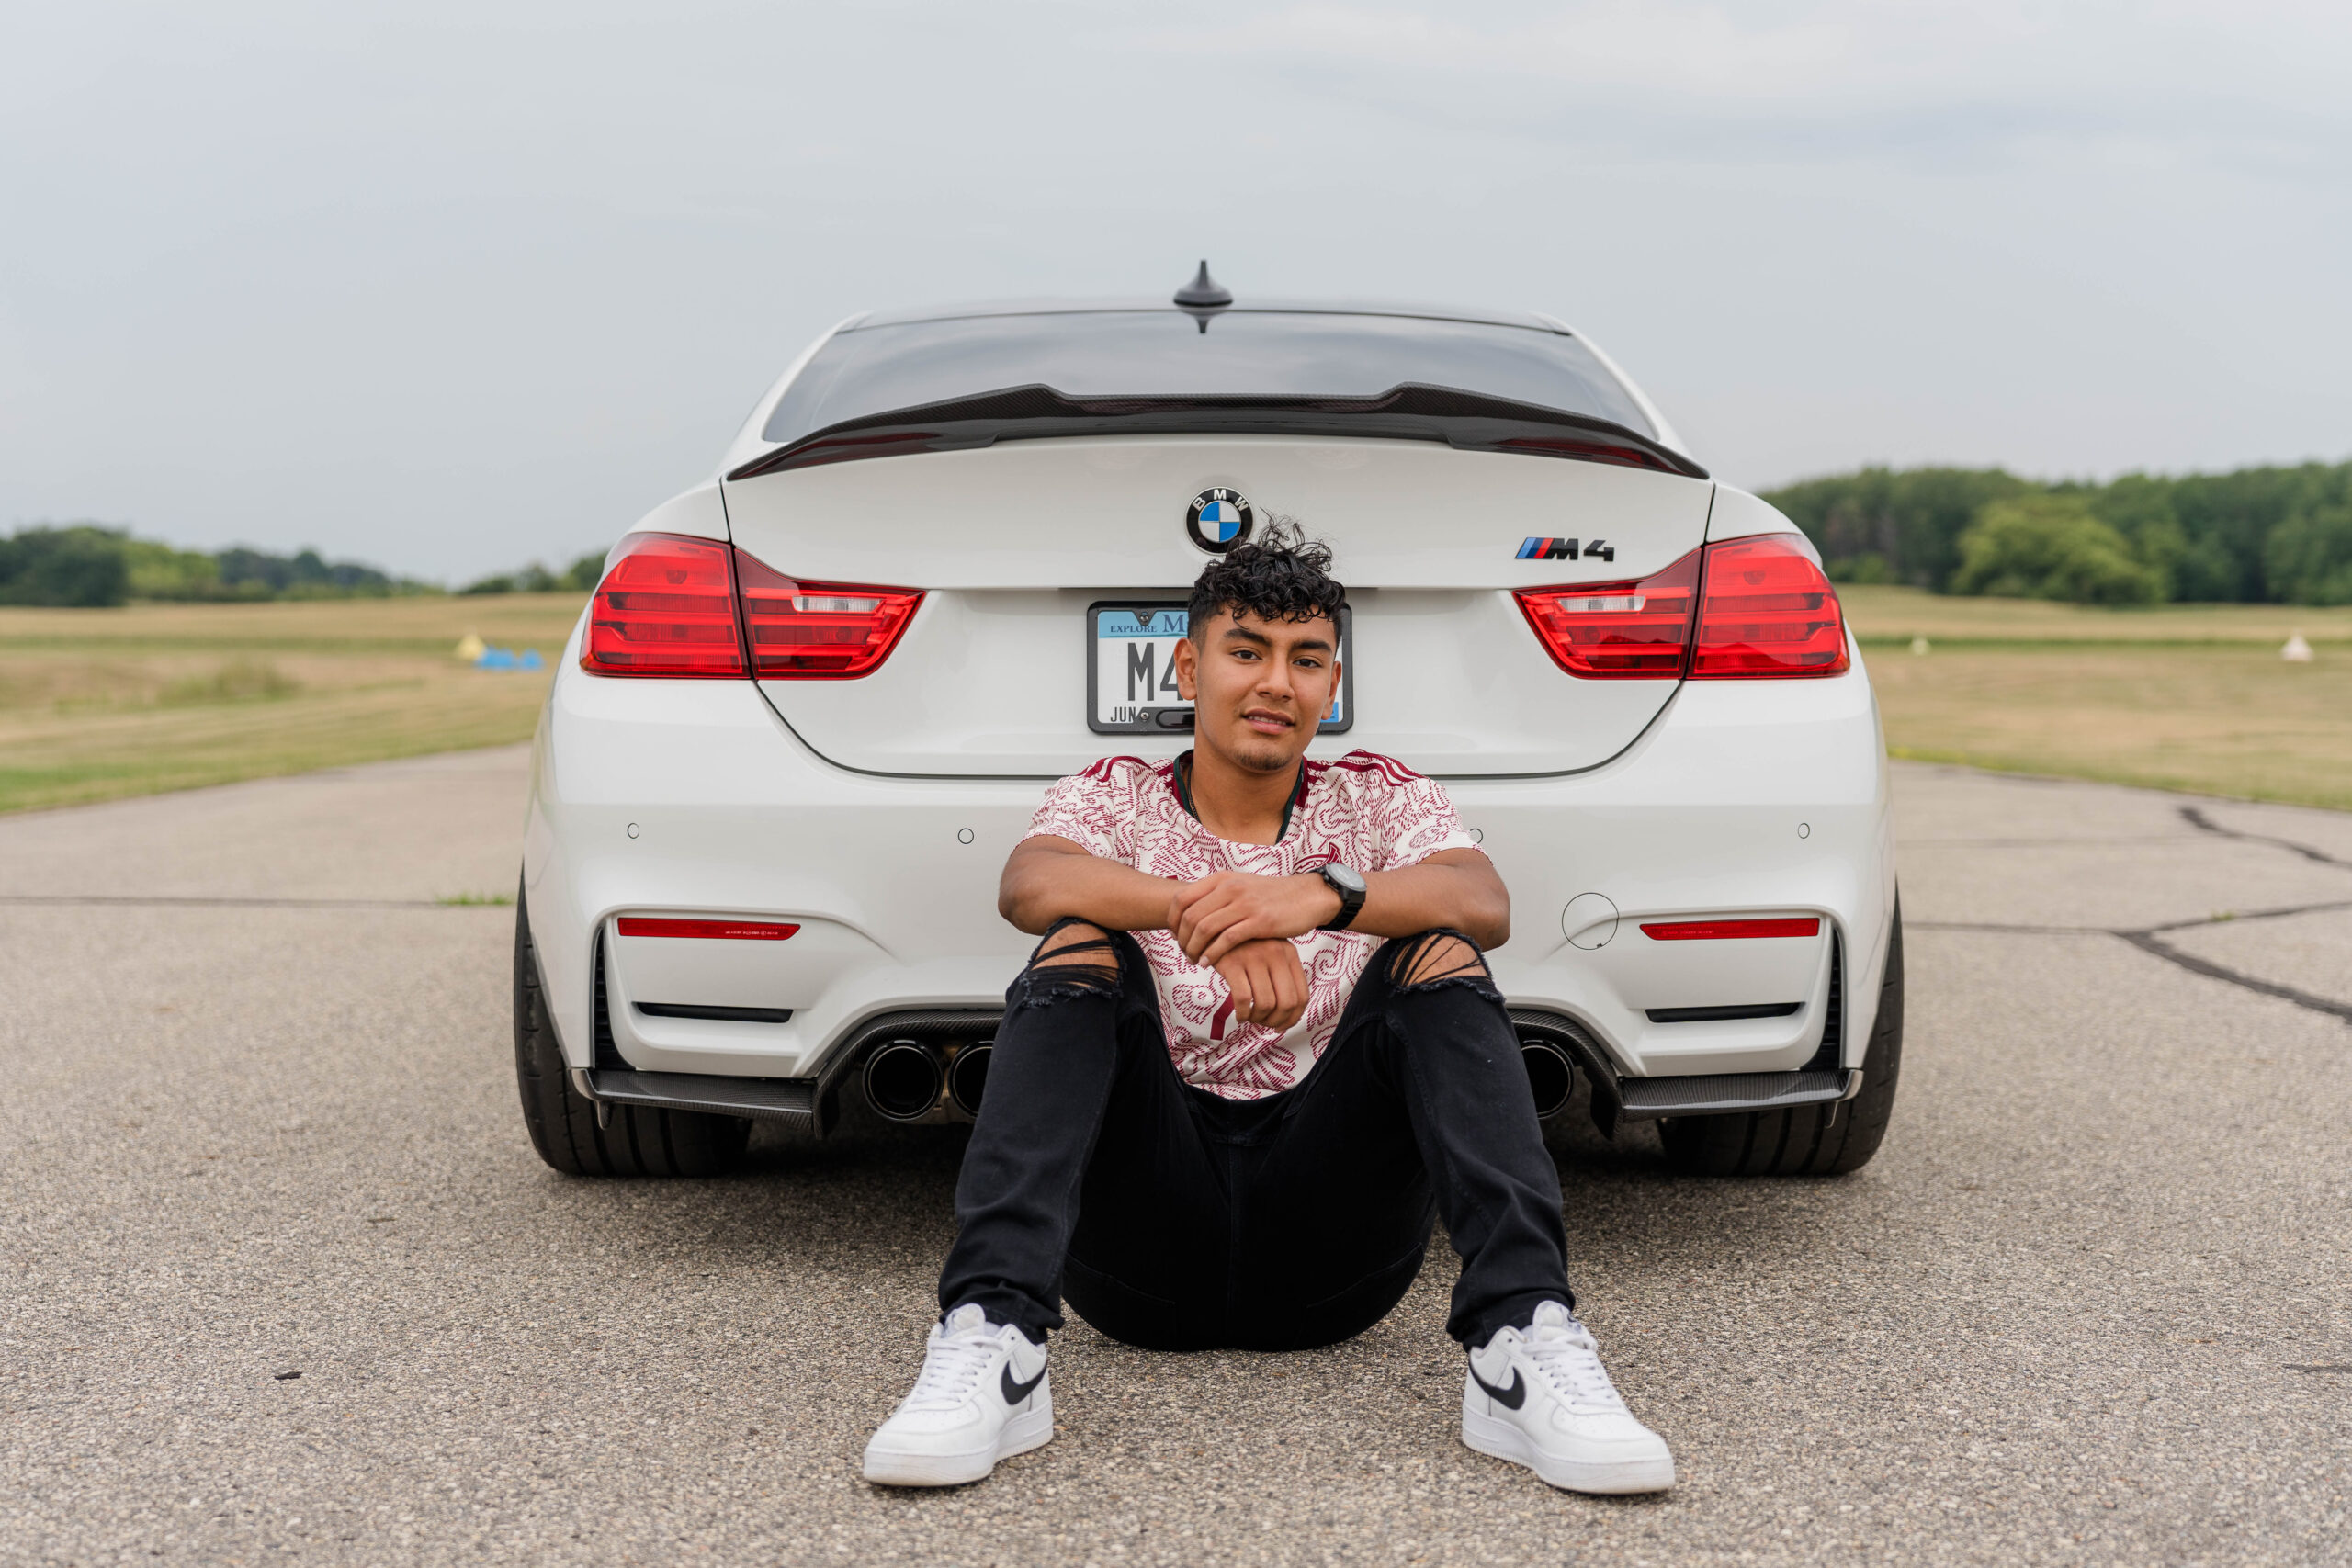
<point>1011,545</point>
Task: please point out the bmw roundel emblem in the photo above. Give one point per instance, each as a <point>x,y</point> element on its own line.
<point>1220,519</point>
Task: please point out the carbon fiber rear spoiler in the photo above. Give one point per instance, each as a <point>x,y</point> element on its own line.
<point>1411,411</point>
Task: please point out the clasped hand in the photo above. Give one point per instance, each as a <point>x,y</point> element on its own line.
<point>1240,925</point>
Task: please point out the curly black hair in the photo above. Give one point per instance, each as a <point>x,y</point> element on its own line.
<point>1281,575</point>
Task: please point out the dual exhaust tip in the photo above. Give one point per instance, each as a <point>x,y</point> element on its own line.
<point>904,1079</point>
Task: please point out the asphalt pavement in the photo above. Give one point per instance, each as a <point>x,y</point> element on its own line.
<point>281,1281</point>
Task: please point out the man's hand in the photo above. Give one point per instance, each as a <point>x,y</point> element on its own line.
<point>1225,909</point>
<point>1269,987</point>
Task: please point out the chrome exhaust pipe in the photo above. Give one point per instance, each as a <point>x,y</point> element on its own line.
<point>1550,1075</point>
<point>902,1080</point>
<point>967,1077</point>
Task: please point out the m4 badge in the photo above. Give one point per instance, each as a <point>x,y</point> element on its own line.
<point>1567,549</point>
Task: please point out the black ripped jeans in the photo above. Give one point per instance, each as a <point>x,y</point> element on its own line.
<point>1174,1219</point>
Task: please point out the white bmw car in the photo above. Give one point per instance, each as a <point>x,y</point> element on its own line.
<point>815,698</point>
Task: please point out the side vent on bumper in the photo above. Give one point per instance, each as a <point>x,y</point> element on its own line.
<point>604,1055</point>
<point>1832,1053</point>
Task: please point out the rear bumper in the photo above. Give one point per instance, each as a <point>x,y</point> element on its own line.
<point>692,799</point>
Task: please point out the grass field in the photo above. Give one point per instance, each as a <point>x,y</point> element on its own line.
<point>98,704</point>
<point>2181,696</point>
<point>1885,615</point>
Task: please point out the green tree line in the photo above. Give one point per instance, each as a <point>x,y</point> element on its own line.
<point>2262,534</point>
<point>86,565</point>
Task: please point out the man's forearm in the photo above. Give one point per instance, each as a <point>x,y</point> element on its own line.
<point>1467,897</point>
<point>1042,886</point>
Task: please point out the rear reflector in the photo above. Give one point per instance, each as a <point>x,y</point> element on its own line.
<point>722,930</point>
<point>1767,611</point>
<point>1719,931</point>
<point>667,607</point>
<point>819,631</point>
<point>1618,631</point>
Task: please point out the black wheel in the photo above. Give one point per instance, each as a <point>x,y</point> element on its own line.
<point>634,1141</point>
<point>1811,1140</point>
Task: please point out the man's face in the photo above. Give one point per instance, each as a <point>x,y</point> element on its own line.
<point>1258,687</point>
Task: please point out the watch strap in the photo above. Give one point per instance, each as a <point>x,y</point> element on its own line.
<point>1350,901</point>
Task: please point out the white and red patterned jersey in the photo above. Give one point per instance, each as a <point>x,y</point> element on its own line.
<point>1365,811</point>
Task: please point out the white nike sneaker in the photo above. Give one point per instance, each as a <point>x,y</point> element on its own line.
<point>1539,1396</point>
<point>981,1396</point>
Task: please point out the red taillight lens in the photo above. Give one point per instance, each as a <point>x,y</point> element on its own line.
<point>1765,609</point>
<point>667,607</point>
<point>1768,610</point>
<point>819,631</point>
<point>1619,631</point>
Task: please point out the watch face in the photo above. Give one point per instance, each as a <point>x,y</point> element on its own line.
<point>1347,876</point>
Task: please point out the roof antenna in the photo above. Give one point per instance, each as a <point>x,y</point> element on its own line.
<point>1204,297</point>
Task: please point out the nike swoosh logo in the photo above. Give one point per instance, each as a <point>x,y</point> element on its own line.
<point>1014,1392</point>
<point>1509,1398</point>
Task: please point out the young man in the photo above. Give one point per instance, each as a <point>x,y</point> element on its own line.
<point>1256,1053</point>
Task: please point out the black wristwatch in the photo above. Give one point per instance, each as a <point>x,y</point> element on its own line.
<point>1349,884</point>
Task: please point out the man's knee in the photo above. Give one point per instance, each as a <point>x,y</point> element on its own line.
<point>1434,957</point>
<point>1076,957</point>
<point>1073,944</point>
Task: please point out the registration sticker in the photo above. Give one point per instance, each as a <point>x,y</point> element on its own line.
<point>1131,671</point>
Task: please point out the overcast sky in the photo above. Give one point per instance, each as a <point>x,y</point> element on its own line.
<point>451,287</point>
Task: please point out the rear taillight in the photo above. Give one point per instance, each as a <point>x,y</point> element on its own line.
<point>1768,610</point>
<point>666,607</point>
<point>679,607</point>
<point>1618,631</point>
<point>819,631</point>
<point>1765,610</point>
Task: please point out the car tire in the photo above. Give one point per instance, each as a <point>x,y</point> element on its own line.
<point>634,1140</point>
<point>1811,1140</point>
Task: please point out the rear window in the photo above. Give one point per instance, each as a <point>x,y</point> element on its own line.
<point>1105,354</point>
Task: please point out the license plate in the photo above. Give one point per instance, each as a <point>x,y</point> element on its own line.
<point>1131,671</point>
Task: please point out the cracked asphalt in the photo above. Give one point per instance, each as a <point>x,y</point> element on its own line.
<point>281,1281</point>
